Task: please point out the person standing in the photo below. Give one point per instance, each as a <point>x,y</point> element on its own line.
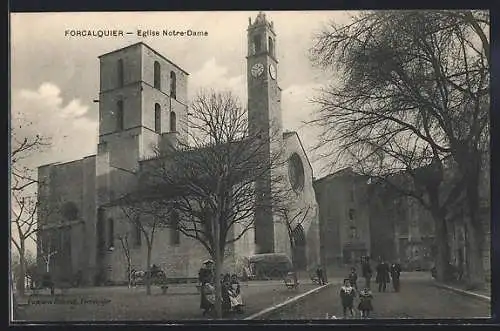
<point>206,288</point>
<point>366,271</point>
<point>225,293</point>
<point>235,295</point>
<point>347,294</point>
<point>365,302</point>
<point>382,277</point>
<point>395,275</point>
<point>353,278</point>
<point>320,274</point>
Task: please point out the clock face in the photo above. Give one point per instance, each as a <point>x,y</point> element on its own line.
<point>272,71</point>
<point>257,69</point>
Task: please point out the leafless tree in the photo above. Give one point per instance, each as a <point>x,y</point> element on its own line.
<point>22,177</point>
<point>47,246</point>
<point>123,238</point>
<point>210,186</point>
<point>24,221</point>
<point>145,216</point>
<point>24,203</point>
<point>410,102</point>
<point>294,218</point>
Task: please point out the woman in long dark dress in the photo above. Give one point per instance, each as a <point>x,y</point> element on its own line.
<point>206,288</point>
<point>206,304</point>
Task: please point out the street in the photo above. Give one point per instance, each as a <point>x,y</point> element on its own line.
<point>418,299</point>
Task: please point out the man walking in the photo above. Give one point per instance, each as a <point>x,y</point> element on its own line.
<point>366,270</point>
<point>382,275</point>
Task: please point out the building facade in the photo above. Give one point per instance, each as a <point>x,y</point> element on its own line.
<point>359,217</point>
<point>143,106</point>
<point>344,217</point>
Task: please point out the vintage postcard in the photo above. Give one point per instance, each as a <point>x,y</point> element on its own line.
<point>294,165</point>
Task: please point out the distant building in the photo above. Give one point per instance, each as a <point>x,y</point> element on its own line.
<point>360,217</point>
<point>344,217</point>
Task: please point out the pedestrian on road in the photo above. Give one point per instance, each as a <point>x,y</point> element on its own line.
<point>320,274</point>
<point>347,294</point>
<point>353,278</point>
<point>365,302</point>
<point>366,270</point>
<point>382,275</point>
<point>395,275</point>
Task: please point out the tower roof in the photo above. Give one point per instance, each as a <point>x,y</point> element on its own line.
<point>260,21</point>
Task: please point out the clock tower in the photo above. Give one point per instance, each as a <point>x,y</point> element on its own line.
<point>264,118</point>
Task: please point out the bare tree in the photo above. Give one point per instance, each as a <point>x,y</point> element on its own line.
<point>294,218</point>
<point>47,247</point>
<point>145,216</point>
<point>210,186</point>
<point>123,238</point>
<point>24,221</point>
<point>24,203</point>
<point>22,177</point>
<point>409,102</point>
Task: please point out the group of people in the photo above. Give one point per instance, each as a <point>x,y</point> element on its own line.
<point>349,290</point>
<point>231,290</point>
<point>385,273</point>
<point>348,293</point>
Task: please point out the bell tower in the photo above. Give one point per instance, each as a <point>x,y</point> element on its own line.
<point>264,118</point>
<point>264,94</point>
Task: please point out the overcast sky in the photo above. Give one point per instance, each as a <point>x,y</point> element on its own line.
<point>54,77</point>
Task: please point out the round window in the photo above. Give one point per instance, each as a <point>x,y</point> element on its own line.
<point>296,172</point>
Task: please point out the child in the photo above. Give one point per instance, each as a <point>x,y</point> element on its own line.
<point>365,302</point>
<point>347,294</point>
<point>353,278</point>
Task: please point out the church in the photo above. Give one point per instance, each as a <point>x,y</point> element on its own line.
<point>143,103</point>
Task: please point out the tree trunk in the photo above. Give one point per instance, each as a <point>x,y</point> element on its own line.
<point>148,271</point>
<point>21,281</point>
<point>129,270</point>
<point>474,259</point>
<point>443,250</point>
<point>474,226</point>
<point>218,284</point>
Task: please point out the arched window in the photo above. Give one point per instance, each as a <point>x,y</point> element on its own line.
<point>157,118</point>
<point>173,122</point>
<point>257,43</point>
<point>111,233</point>
<point>175,235</point>
<point>121,77</point>
<point>271,46</point>
<point>157,75</point>
<point>119,115</point>
<point>173,85</point>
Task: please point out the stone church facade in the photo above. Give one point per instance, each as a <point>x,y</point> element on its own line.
<point>142,105</point>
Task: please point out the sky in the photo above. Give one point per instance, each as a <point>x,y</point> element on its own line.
<point>55,77</point>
